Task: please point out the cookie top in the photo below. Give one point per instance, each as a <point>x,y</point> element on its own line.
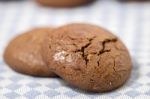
<point>63,3</point>
<point>88,57</point>
<point>23,53</point>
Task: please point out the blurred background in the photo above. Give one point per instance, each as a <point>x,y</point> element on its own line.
<point>128,19</point>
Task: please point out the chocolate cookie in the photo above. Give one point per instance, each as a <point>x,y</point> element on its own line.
<point>88,57</point>
<point>23,53</point>
<point>63,3</point>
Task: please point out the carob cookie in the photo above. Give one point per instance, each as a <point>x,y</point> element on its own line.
<point>23,53</point>
<point>63,3</point>
<point>88,57</point>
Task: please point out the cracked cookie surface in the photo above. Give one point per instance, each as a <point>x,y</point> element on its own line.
<point>88,57</point>
<point>23,53</point>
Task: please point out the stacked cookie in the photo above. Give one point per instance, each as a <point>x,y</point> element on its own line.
<point>87,56</point>
<point>23,54</point>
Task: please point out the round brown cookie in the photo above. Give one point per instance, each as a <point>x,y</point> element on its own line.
<point>88,57</point>
<point>23,53</point>
<point>63,3</point>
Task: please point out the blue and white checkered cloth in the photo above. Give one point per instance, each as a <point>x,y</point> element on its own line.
<point>130,21</point>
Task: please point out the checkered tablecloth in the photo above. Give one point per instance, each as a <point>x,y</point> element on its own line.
<point>130,21</point>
